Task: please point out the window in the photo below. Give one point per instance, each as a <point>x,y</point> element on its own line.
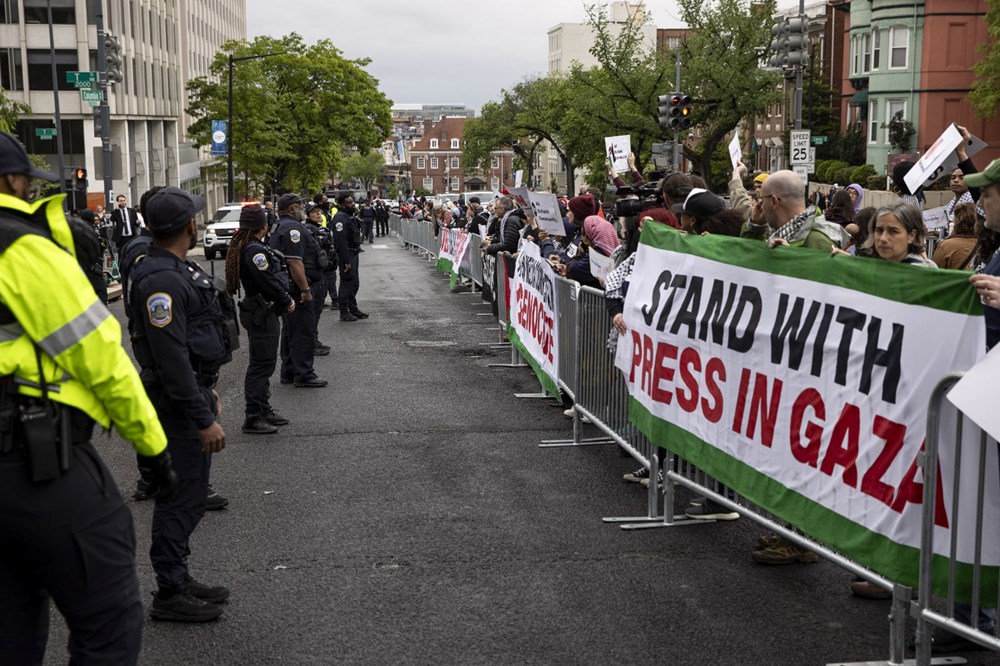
<point>454,183</point>
<point>429,184</point>
<point>434,163</point>
<point>876,48</point>
<point>892,107</point>
<point>434,143</point>
<point>40,68</point>
<point>63,12</point>
<point>873,121</point>
<point>420,163</point>
<point>866,53</point>
<point>898,47</point>
<point>455,144</point>
<point>494,183</point>
<point>854,56</point>
<point>11,76</point>
<point>454,162</point>
<point>494,162</point>
<point>8,11</point>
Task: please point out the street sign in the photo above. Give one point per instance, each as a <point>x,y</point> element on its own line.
<point>45,133</point>
<point>819,139</point>
<point>83,77</point>
<point>800,146</point>
<point>802,171</point>
<point>92,97</point>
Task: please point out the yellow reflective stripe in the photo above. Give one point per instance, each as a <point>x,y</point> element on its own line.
<point>74,330</point>
<point>10,332</point>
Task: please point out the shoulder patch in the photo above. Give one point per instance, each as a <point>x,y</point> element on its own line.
<point>260,261</point>
<point>295,235</point>
<point>158,306</point>
<point>339,226</point>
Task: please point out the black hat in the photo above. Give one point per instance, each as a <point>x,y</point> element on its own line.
<point>252,217</point>
<point>14,159</point>
<point>474,200</point>
<point>171,208</point>
<point>286,201</point>
<point>87,215</point>
<point>700,204</point>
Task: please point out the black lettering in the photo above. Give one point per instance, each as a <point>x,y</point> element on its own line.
<point>793,330</point>
<point>679,282</point>
<point>688,314</point>
<point>717,312</point>
<point>662,282</point>
<point>852,321</point>
<point>819,345</point>
<point>749,296</point>
<point>889,358</point>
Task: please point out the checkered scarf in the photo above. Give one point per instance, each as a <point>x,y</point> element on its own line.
<point>789,230</point>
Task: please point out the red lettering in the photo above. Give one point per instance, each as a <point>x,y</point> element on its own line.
<point>843,449</point>
<point>807,454</point>
<point>871,483</point>
<point>647,364</point>
<point>910,491</point>
<point>759,407</point>
<point>662,372</point>
<point>741,401</point>
<point>636,356</point>
<point>688,400</point>
<point>715,372</point>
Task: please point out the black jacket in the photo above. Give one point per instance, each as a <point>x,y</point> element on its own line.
<point>509,235</point>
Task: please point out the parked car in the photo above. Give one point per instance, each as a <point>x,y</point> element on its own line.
<point>485,196</point>
<point>220,231</point>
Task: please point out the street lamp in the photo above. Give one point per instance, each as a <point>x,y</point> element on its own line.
<point>231,189</point>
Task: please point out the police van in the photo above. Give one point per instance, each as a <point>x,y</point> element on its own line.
<point>220,231</point>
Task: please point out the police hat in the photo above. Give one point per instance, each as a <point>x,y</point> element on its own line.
<point>14,159</point>
<point>286,201</point>
<point>171,208</point>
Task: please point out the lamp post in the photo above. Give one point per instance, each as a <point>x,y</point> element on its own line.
<point>231,187</point>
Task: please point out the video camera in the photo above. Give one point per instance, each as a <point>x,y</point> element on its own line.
<point>648,195</point>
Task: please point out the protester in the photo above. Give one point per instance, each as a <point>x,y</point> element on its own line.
<point>788,222</point>
<point>841,209</point>
<point>963,193</point>
<point>698,206</point>
<point>859,233</point>
<point>896,233</point>
<point>900,187</point>
<point>857,195</point>
<point>958,251</point>
<point>508,229</point>
<point>598,236</point>
<point>739,198</point>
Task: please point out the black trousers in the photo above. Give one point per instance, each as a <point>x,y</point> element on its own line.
<point>176,519</point>
<point>73,540</point>
<point>318,289</point>
<point>383,226</point>
<point>298,342</point>
<point>330,277</point>
<point>263,359</point>
<point>350,282</point>
<point>369,224</point>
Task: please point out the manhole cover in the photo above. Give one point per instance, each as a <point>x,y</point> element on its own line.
<point>430,343</point>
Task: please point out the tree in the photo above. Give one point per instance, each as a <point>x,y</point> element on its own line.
<point>11,111</point>
<point>368,167</point>
<point>901,132</point>
<point>985,95</point>
<point>721,70</point>
<point>293,113</point>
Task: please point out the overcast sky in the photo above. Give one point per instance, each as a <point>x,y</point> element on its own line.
<point>437,51</point>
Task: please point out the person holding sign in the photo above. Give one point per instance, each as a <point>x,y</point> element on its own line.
<point>782,206</point>
<point>598,235</point>
<point>963,193</point>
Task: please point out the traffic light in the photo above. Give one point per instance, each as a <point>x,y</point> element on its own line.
<point>663,107</point>
<point>113,59</point>
<point>790,43</point>
<point>80,179</point>
<point>678,111</point>
<point>101,121</point>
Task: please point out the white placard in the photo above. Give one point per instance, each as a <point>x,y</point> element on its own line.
<point>482,231</point>
<point>600,265</point>
<point>545,206</point>
<point>518,175</point>
<point>975,393</point>
<point>735,152</point>
<point>616,149</point>
<point>935,218</point>
<point>930,164</point>
<point>520,197</point>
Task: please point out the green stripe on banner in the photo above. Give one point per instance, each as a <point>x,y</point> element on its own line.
<point>444,265</point>
<point>454,280</point>
<point>895,561</point>
<point>546,381</point>
<point>884,279</point>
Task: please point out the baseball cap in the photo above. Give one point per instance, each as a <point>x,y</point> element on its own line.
<point>14,159</point>
<point>171,208</point>
<point>700,204</point>
<point>761,177</point>
<point>285,201</point>
<point>988,176</point>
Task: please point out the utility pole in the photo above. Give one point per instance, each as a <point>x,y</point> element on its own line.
<point>55,94</point>
<point>102,115</point>
<point>800,67</point>
<point>678,149</point>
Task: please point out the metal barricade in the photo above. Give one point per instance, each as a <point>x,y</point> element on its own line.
<point>927,616</point>
<point>475,261</point>
<point>932,243</point>
<point>503,314</point>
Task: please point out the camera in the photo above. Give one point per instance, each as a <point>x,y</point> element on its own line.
<point>631,201</point>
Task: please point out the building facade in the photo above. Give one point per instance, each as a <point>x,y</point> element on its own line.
<point>436,163</point>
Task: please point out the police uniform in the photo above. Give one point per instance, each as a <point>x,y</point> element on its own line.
<point>181,337</point>
<point>66,531</point>
<point>298,335</point>
<point>346,234</point>
<point>322,237</point>
<point>265,284</point>
<point>330,274</point>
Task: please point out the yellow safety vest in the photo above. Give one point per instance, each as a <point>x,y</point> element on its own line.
<point>46,301</point>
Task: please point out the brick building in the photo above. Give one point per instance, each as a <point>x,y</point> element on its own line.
<point>436,162</point>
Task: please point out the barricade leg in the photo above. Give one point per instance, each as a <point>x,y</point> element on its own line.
<point>576,441</point>
<point>515,360</point>
<point>652,516</point>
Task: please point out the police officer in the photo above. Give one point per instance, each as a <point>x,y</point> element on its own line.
<point>301,253</point>
<point>381,218</point>
<point>330,274</point>
<point>368,221</point>
<point>180,337</point>
<point>255,267</point>
<point>315,224</point>
<point>66,532</point>
<point>347,239</point>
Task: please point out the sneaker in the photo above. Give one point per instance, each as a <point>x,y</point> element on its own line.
<point>767,540</point>
<point>141,491</point>
<point>274,418</point>
<point>638,476</point>
<point>347,316</point>
<point>698,501</point>
<point>183,607</point>
<point>784,552</point>
<point>868,590</point>
<point>659,481</point>
<point>213,594</point>
<point>215,501</point>
<point>286,380</point>
<point>311,382</point>
<point>321,351</point>
<point>710,511</point>
<point>360,315</point>
<point>259,426</point>
<point>944,642</point>
<point>568,413</point>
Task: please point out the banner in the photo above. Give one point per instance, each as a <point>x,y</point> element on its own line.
<point>446,252</point>
<point>533,322</point>
<point>490,280</point>
<point>220,135</point>
<point>801,381</point>
<point>462,260</point>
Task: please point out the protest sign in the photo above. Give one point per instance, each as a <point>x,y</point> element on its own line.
<point>735,152</point>
<point>600,265</point>
<point>518,175</point>
<point>533,321</point>
<point>940,158</point>
<point>462,258</point>
<point>521,198</point>
<point>545,208</point>
<point>935,218</point>
<point>446,251</point>
<point>802,383</point>
<point>616,149</point>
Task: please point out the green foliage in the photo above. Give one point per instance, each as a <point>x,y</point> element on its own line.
<point>850,146</point>
<point>368,167</point>
<point>843,176</point>
<point>985,95</point>
<point>875,182</point>
<point>901,132</point>
<point>826,168</point>
<point>11,111</point>
<point>293,114</point>
<point>861,174</point>
<point>421,192</point>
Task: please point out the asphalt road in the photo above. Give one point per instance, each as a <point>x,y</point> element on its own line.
<point>406,515</point>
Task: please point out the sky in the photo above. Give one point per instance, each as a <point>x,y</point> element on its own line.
<point>438,51</point>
